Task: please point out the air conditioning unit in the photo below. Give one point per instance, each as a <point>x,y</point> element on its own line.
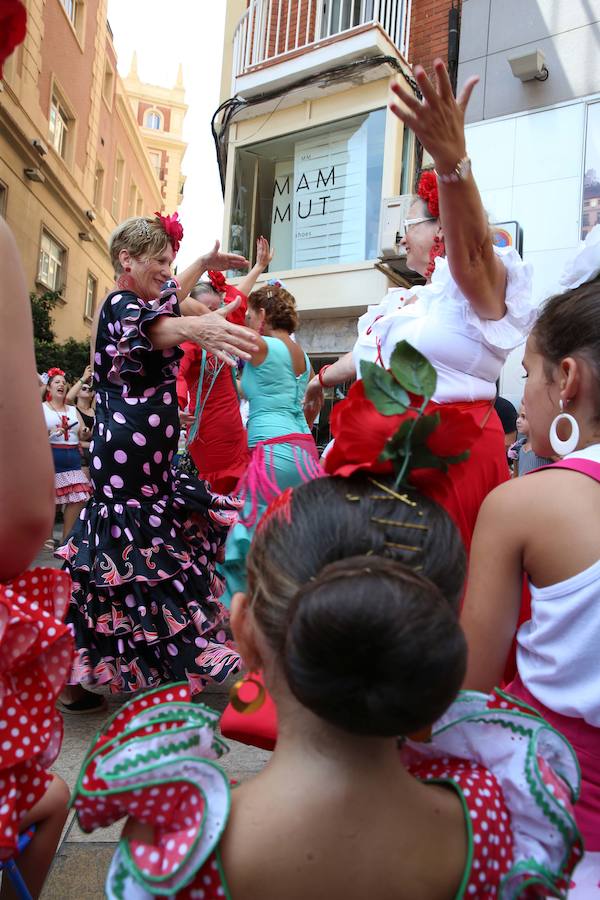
<point>393,212</point>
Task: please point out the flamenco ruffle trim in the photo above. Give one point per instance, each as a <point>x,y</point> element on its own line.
<point>151,541</point>
<point>128,352</point>
<point>36,649</point>
<point>155,759</point>
<point>538,773</point>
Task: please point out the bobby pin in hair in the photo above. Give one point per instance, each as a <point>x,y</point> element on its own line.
<point>353,498</point>
<point>401,546</point>
<point>398,524</point>
<point>403,498</point>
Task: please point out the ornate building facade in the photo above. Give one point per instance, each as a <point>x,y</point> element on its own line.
<point>73,158</point>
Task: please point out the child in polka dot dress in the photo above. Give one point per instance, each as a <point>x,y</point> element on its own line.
<point>361,650</point>
<point>35,646</point>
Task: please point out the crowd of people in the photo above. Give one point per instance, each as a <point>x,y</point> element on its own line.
<point>414,631</point>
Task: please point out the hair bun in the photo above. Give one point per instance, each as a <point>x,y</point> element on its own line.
<point>373,648</point>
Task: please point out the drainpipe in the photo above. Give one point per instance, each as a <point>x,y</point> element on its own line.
<point>453,42</point>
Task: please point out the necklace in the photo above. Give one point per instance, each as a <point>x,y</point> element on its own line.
<point>58,412</point>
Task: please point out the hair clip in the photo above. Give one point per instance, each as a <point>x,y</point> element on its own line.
<point>395,524</point>
<point>402,546</point>
<point>403,498</point>
<point>353,498</point>
<point>144,228</point>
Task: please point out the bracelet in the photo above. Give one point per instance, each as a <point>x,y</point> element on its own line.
<point>320,375</point>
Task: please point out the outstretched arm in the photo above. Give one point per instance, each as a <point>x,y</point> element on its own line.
<point>264,255</point>
<point>438,122</point>
<point>74,392</point>
<point>26,472</point>
<point>337,373</point>
<point>214,259</point>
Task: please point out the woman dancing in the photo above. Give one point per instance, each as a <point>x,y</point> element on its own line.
<point>546,525</point>
<point>217,442</point>
<point>476,306</point>
<point>284,453</point>
<point>142,556</point>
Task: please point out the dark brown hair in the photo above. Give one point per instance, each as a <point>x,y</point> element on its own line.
<point>357,594</point>
<point>279,306</point>
<point>569,325</point>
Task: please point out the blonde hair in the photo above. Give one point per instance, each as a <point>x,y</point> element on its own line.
<point>140,236</point>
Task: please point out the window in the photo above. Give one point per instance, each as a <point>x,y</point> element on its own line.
<point>590,213</point>
<point>315,193</point>
<point>71,10</point>
<point>139,206</point>
<point>155,159</point>
<point>340,15</point>
<point>107,84</point>
<point>132,202</point>
<point>51,264</point>
<point>117,187</point>
<point>153,120</point>
<point>90,297</point>
<point>59,126</point>
<point>3,198</point>
<point>74,11</point>
<point>98,186</point>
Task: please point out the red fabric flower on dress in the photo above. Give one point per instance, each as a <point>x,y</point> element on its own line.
<point>13,26</point>
<point>427,190</point>
<point>217,280</point>
<point>173,227</point>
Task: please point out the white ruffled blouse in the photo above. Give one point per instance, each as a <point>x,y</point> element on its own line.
<point>468,352</point>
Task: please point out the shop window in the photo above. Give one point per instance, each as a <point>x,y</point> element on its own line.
<point>51,263</point>
<point>316,194</point>
<point>91,292</point>
<point>590,213</point>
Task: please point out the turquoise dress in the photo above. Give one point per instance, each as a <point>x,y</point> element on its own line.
<point>284,453</point>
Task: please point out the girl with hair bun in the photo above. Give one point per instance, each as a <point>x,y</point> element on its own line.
<point>545,526</point>
<point>351,612</point>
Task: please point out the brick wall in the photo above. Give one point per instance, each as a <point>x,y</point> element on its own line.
<point>429,31</point>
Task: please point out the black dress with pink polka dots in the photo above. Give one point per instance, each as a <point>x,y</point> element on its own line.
<point>143,553</point>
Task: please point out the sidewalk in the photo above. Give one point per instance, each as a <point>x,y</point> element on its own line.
<point>82,860</point>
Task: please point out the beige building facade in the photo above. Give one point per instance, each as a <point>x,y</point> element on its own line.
<point>309,150</point>
<point>73,160</point>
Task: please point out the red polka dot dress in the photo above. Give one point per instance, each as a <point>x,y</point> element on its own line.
<point>36,650</point>
<point>143,555</point>
<point>156,760</point>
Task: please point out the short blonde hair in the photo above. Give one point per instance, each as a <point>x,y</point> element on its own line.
<point>140,236</point>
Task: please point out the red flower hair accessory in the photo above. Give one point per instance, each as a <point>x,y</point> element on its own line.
<point>217,280</point>
<point>13,27</point>
<point>53,372</point>
<point>388,424</point>
<point>427,190</point>
<point>173,227</point>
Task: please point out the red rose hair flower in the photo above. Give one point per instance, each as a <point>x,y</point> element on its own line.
<point>427,190</point>
<point>53,372</point>
<point>217,279</point>
<point>13,26</point>
<point>173,227</point>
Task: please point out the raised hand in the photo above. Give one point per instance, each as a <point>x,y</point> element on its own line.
<point>214,259</point>
<point>439,119</point>
<point>264,253</point>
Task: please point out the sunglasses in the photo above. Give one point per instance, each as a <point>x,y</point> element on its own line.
<point>85,387</point>
<point>408,223</point>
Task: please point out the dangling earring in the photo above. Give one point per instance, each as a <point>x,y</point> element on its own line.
<point>246,707</point>
<point>563,448</point>
<point>438,248</point>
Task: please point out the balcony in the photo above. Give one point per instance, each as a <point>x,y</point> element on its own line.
<point>278,40</point>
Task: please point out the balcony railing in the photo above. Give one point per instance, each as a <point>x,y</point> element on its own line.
<point>269,29</point>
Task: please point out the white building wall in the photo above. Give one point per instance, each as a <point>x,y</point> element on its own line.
<point>529,168</point>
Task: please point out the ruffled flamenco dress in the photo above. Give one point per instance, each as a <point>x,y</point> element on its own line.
<point>36,651</point>
<point>156,760</point>
<point>143,555</point>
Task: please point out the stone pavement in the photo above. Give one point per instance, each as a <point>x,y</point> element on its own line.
<point>82,859</point>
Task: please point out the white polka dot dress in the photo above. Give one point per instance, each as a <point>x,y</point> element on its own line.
<point>143,555</point>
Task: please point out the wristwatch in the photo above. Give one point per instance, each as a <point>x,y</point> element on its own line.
<point>461,172</point>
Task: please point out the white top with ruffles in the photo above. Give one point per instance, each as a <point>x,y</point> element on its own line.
<point>557,649</point>
<point>468,352</point>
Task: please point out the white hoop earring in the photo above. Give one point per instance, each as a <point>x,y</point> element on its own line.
<point>563,448</point>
